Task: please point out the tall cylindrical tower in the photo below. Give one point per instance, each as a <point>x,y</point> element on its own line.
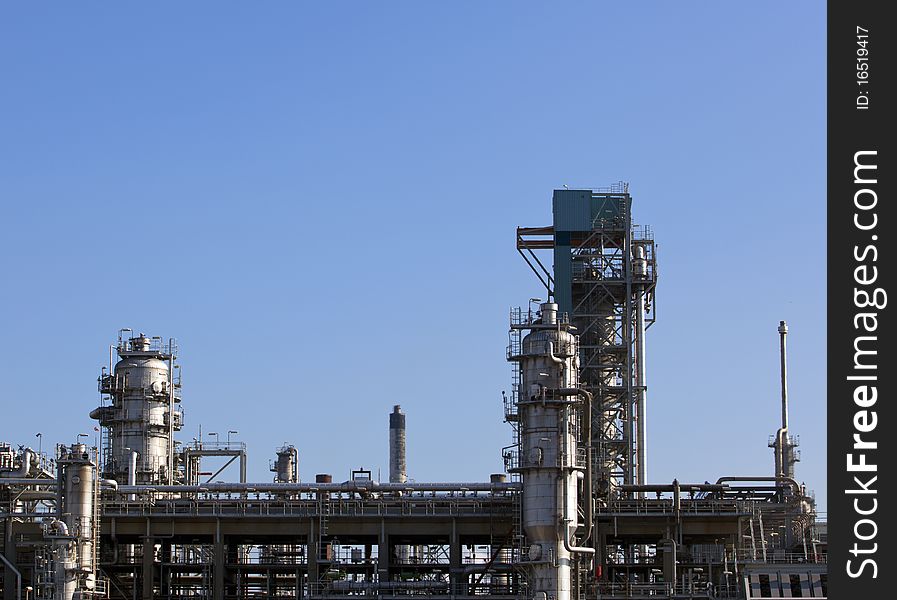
<point>549,459</point>
<point>784,444</point>
<point>397,468</point>
<point>141,415</point>
<point>75,561</point>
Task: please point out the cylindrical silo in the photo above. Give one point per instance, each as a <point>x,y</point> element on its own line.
<point>397,467</point>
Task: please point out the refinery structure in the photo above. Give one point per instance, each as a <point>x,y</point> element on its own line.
<point>575,516</point>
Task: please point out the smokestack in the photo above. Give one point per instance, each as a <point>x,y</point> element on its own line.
<point>783,331</point>
<point>785,454</point>
<point>397,467</point>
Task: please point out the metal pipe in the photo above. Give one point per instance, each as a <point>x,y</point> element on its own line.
<point>783,331</point>
<point>36,495</point>
<point>348,486</point>
<point>57,524</point>
<point>677,497</point>
<point>668,487</point>
<point>295,453</point>
<point>566,537</point>
<point>587,436</point>
<point>132,466</point>
<point>641,382</point>
<point>565,530</point>
<point>170,466</point>
<point>787,480</point>
<point>777,454</point>
<point>24,468</point>
<point>18,576</point>
<point>554,358</point>
<point>27,481</point>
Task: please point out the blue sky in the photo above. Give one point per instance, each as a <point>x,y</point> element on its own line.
<point>319,202</point>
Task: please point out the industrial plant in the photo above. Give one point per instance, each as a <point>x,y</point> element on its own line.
<point>575,515</point>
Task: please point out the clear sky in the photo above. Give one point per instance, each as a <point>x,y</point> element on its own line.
<point>318,200</point>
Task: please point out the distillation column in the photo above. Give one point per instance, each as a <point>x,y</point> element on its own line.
<point>141,417</point>
<point>286,467</point>
<point>548,460</point>
<point>75,555</point>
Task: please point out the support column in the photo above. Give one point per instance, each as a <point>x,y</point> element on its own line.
<point>9,551</point>
<point>599,535</point>
<point>456,576</point>
<point>384,554</point>
<point>218,566</point>
<point>165,576</point>
<point>312,556</point>
<point>149,555</point>
<point>231,555</point>
<point>669,563</point>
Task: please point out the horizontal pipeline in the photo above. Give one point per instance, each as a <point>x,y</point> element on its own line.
<point>34,481</point>
<point>26,481</point>
<point>669,487</point>
<point>348,486</point>
<point>782,480</point>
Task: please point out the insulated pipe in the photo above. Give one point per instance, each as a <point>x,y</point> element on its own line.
<point>132,469</point>
<point>348,486</point>
<point>554,358</point>
<point>574,549</point>
<point>24,468</point>
<point>132,466</point>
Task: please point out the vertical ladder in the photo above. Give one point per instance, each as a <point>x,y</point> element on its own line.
<point>324,510</point>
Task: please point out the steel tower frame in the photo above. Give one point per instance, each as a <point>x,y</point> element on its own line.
<point>607,287</point>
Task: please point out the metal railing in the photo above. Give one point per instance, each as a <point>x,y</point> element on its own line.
<point>776,556</point>
<point>279,508</point>
<point>648,506</point>
<point>521,318</point>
